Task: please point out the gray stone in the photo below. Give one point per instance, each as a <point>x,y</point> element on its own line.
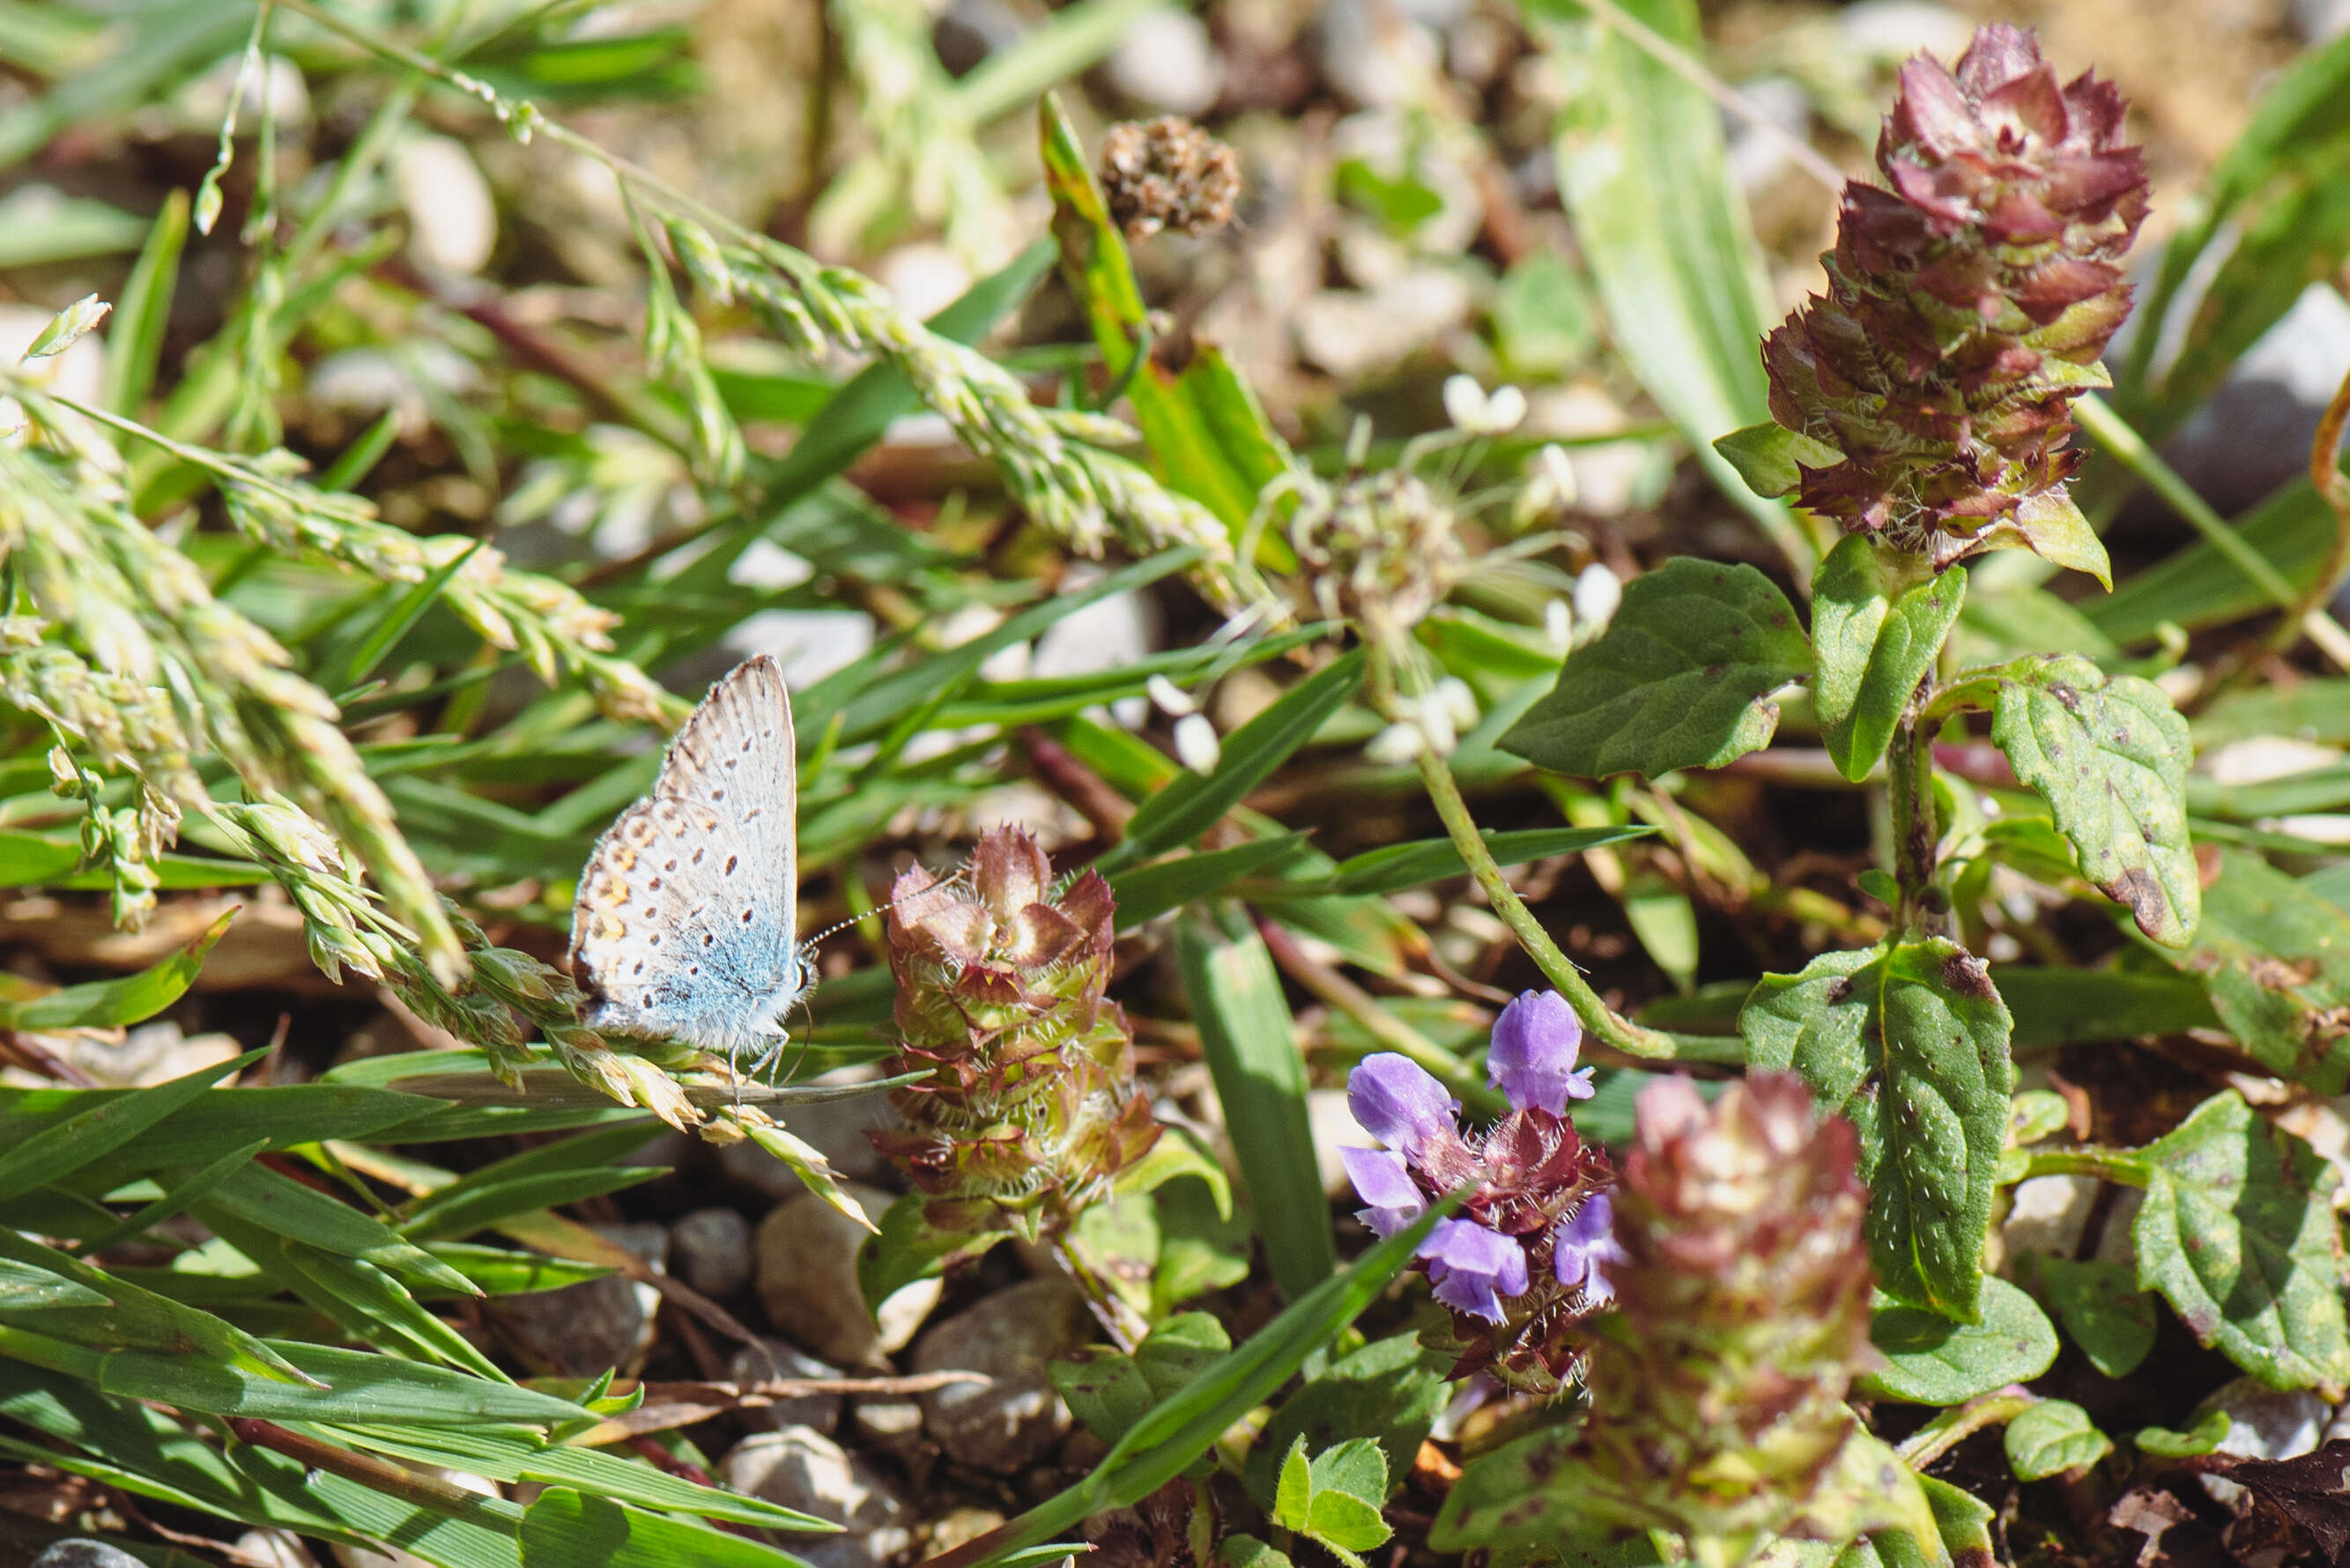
<point>807,1281</point>
<point>710,1250</point>
<point>834,1128</point>
<point>2047,1214</point>
<point>1373,52</point>
<point>1167,62</point>
<point>1334,1127</point>
<point>817,1412</point>
<point>888,1423</point>
<point>971,30</point>
<point>2263,1423</point>
<point>581,1330</point>
<point>1014,1417</point>
<point>806,1471</point>
<point>79,1552</point>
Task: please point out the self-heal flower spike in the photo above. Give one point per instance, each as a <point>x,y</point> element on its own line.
<point>1030,1106</point>
<point>1718,1390</point>
<point>1968,299</point>
<point>1532,1059</point>
<point>1521,1183</point>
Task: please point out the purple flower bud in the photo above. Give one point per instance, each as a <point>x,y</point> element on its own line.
<point>1583,1242</point>
<point>1397,1101</point>
<point>1384,1183</point>
<point>1532,1059</point>
<point>1473,1268</point>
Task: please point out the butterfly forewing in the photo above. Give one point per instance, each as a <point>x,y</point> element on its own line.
<point>684,926</point>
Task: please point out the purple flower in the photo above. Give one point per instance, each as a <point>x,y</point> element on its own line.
<point>1386,1184</point>
<point>1397,1101</point>
<point>1473,1268</point>
<point>1583,1242</point>
<point>1532,1059</point>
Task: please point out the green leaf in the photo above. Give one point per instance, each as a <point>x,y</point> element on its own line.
<point>910,1248</point>
<point>2056,1006</point>
<point>565,1528</point>
<point>1680,679</point>
<point>1188,805</point>
<point>1199,1249</point>
<point>1394,867</point>
<point>2200,585</point>
<point>1102,1388</point>
<point>2205,1436</point>
<point>25,1287</point>
<point>1247,1552</point>
<point>1877,625</point>
<point>108,1004</point>
<point>1146,892</point>
<point>1391,1391</point>
<point>1182,1426</point>
<point>2275,956</point>
<point>2109,754</point>
<point>1350,1482</point>
<point>1929,1360</point>
<point>2237,1233</point>
<point>1294,1493</point>
<point>1207,434</point>
<point>2051,1438</point>
<point>2102,1307</point>
<point>1643,174</point>
<point>1770,458</point>
<point>67,1144</point>
<point>1175,1154</point>
<point>2051,524</point>
<point>1180,1349</point>
<point>134,342</point>
<point>1910,1041</point>
<point>1251,1042</point>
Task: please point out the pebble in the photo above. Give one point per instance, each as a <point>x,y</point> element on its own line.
<point>581,1330</point>
<point>807,1281</point>
<point>812,643</point>
<point>2253,435</point>
<point>1014,1417</point>
<point>806,1471</point>
<point>923,278</point>
<point>888,1423</point>
<point>1167,62</point>
<point>2320,22</point>
<point>80,1552</point>
<point>1353,334</point>
<point>277,1548</point>
<point>453,218</point>
<point>817,1412</point>
<point>971,30</point>
<point>2047,1213</point>
<point>2263,1423</point>
<point>1372,53</point>
<point>710,1250</point>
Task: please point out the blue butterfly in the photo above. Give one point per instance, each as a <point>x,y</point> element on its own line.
<point>685,926</point>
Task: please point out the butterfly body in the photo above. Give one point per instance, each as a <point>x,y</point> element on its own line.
<point>683,928</point>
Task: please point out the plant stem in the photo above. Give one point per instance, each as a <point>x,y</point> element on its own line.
<point>1909,791</point>
<point>1607,1027</point>
<point>1112,1314</point>
<point>2116,1165</point>
<point>1953,1426</point>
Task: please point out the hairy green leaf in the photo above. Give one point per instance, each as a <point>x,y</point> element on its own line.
<point>1680,679</point>
<point>2238,1232</point>
<point>1391,1390</point>
<point>2109,754</point>
<point>2104,1309</point>
<point>2275,955</point>
<point>1877,625</point>
<point>1910,1041</point>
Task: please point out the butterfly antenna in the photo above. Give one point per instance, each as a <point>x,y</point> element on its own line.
<point>959,874</point>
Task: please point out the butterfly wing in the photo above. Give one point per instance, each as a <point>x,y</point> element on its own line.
<point>684,924</point>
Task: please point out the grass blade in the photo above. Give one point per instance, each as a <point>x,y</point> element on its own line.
<point>1251,1042</point>
<point>107,1003</point>
<point>58,1151</point>
<point>134,340</point>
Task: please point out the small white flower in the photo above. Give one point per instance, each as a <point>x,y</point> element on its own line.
<point>1460,702</point>
<point>1396,745</point>
<point>1598,593</point>
<point>1473,412</point>
<point>1436,723</point>
<point>1196,745</point>
<point>1549,487</point>
<point>1558,625</point>
<point>1172,700</point>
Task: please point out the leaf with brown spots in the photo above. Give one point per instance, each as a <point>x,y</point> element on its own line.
<point>2109,754</point>
<point>2276,959</point>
